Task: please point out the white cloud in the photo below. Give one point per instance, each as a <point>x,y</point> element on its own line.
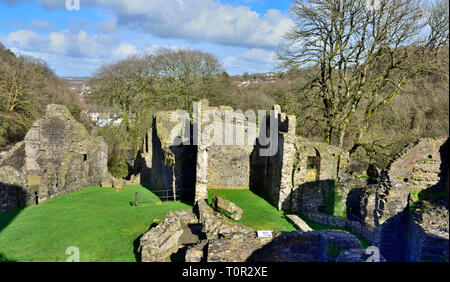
<point>64,42</point>
<point>125,50</point>
<point>199,20</point>
<point>203,20</point>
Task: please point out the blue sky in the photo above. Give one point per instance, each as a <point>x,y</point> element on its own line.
<point>243,34</point>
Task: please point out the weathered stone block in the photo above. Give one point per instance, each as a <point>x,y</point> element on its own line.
<point>164,240</point>
<point>214,226</point>
<point>196,252</point>
<point>230,209</point>
<point>107,181</point>
<point>118,183</point>
<point>299,223</point>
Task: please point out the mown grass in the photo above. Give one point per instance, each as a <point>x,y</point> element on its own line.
<point>101,222</point>
<point>105,225</point>
<point>257,212</point>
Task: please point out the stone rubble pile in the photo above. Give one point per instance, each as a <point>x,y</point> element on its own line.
<point>210,237</point>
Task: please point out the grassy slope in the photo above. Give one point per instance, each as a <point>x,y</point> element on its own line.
<point>103,224</point>
<point>99,221</point>
<point>257,212</point>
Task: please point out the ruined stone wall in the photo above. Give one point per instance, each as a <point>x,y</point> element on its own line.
<point>428,234</point>
<point>145,158</point>
<point>229,163</point>
<point>57,157</point>
<point>410,207</point>
<point>316,174</point>
<point>355,227</point>
<point>273,173</point>
<point>14,190</point>
<point>416,168</point>
<point>172,172</point>
<point>303,175</point>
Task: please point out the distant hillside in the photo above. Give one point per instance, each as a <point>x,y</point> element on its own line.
<point>27,85</point>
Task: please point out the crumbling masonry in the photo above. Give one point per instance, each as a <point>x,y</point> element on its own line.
<point>57,157</point>
<point>295,178</point>
<point>403,210</point>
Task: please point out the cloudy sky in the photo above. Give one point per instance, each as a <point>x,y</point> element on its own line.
<point>243,34</point>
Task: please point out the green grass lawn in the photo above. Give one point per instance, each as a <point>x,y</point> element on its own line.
<point>105,225</point>
<point>257,212</point>
<point>99,221</point>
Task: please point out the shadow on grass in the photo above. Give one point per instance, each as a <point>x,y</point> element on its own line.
<point>7,218</point>
<point>4,259</point>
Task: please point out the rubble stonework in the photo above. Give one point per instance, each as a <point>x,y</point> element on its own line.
<point>229,208</point>
<point>14,190</point>
<point>225,241</point>
<point>419,166</point>
<point>164,240</point>
<point>273,173</point>
<point>316,175</point>
<point>314,179</point>
<point>286,176</point>
<point>411,207</point>
<point>223,166</point>
<point>213,226</point>
<point>299,223</point>
<point>57,157</point>
<point>302,174</point>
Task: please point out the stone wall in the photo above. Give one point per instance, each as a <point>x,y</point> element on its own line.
<point>428,232</point>
<point>172,172</point>
<point>273,174</point>
<point>418,167</point>
<point>189,162</point>
<point>14,190</point>
<point>316,175</point>
<point>229,163</point>
<point>57,157</point>
<point>408,210</point>
<point>302,176</point>
<point>145,158</point>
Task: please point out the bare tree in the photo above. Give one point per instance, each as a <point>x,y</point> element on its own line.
<point>185,75</point>
<point>138,86</point>
<point>365,53</point>
<point>26,85</point>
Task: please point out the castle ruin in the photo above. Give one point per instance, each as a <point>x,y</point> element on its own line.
<point>57,157</point>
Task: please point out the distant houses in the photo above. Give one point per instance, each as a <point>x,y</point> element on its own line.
<point>103,119</point>
<point>269,77</point>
